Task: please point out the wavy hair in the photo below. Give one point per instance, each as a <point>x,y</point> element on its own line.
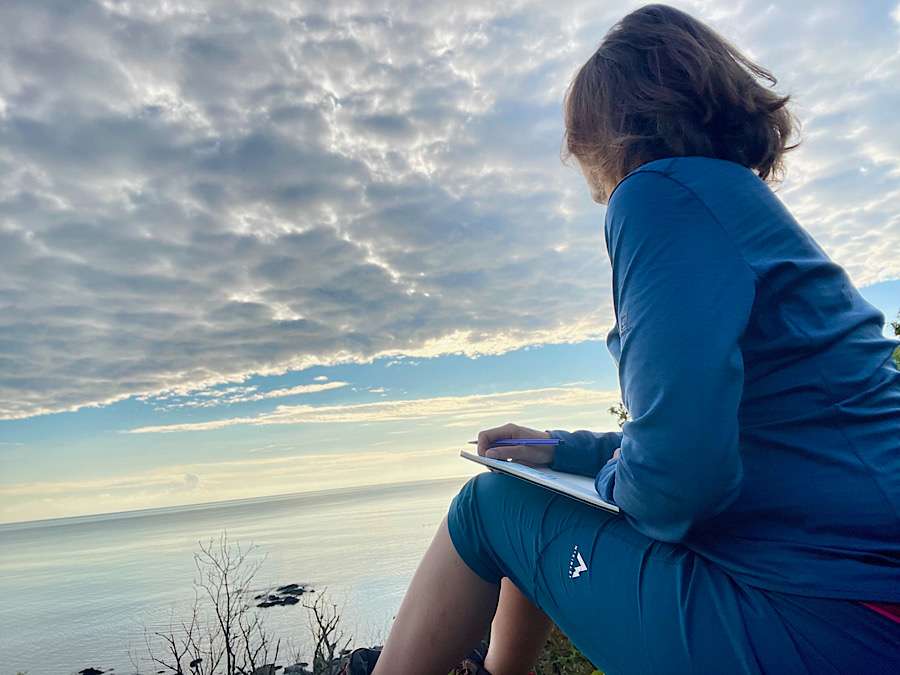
<point>663,84</point>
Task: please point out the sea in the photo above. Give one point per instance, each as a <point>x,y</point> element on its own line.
<point>89,591</point>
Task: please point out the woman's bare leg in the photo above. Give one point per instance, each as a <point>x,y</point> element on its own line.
<point>518,633</point>
<point>446,610</point>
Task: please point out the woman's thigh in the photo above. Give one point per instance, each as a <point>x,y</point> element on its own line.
<point>632,604</point>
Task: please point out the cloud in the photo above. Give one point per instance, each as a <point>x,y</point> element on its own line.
<point>401,360</point>
<point>211,398</point>
<point>193,194</point>
<point>191,481</point>
<point>460,410</point>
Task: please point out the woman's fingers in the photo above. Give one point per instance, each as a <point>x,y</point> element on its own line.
<point>526,454</point>
<point>487,437</point>
<point>513,452</point>
<point>534,455</point>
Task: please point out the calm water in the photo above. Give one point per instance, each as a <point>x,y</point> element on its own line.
<point>78,592</point>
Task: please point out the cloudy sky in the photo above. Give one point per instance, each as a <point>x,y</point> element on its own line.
<point>254,248</point>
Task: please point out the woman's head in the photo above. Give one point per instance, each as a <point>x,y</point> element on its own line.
<point>663,84</point>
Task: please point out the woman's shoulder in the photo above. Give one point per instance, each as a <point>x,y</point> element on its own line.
<point>727,192</point>
<point>677,183</point>
<point>691,172</point>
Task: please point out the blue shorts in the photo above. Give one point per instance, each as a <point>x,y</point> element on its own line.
<point>632,604</point>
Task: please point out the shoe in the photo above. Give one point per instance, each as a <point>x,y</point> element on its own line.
<point>361,661</point>
<point>473,664</point>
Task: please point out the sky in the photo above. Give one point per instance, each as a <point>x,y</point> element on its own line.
<point>259,248</point>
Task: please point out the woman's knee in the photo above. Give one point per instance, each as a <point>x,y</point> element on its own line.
<point>499,516</point>
<point>468,520</point>
<point>487,496</point>
<point>476,495</point>
<point>492,486</point>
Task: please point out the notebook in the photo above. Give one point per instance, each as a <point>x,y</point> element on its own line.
<point>568,484</point>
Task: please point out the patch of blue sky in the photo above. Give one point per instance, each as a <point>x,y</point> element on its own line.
<point>886,297</point>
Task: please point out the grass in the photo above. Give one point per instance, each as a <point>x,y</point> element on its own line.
<point>561,657</point>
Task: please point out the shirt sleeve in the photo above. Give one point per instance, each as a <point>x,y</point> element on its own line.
<point>683,295</point>
<point>583,452</point>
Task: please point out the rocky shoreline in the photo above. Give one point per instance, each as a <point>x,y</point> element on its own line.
<point>286,595</point>
<point>270,669</point>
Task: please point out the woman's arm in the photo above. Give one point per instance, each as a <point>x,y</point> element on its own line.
<point>683,295</point>
<point>583,452</point>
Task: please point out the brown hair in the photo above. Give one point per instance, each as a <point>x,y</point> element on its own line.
<point>663,84</point>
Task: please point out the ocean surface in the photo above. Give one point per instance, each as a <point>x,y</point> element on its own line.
<point>80,592</point>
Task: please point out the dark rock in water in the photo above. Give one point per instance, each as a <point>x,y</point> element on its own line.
<point>287,600</point>
<point>297,669</point>
<point>281,596</point>
<point>266,670</point>
<point>90,671</point>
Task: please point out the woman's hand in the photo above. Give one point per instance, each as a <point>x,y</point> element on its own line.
<point>530,455</point>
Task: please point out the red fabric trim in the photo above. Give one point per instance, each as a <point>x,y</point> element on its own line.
<point>887,609</point>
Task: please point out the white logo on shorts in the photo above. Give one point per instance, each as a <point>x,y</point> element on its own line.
<point>575,570</point>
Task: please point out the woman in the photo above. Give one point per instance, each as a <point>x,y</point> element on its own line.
<point>759,474</point>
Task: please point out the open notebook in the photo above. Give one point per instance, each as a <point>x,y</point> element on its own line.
<point>569,484</point>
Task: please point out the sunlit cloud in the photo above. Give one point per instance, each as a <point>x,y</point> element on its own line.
<point>211,398</point>
<point>458,409</point>
<point>194,194</point>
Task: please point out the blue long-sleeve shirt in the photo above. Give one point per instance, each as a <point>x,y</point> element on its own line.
<point>764,429</point>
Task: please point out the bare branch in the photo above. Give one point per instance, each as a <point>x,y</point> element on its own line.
<point>223,635</point>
